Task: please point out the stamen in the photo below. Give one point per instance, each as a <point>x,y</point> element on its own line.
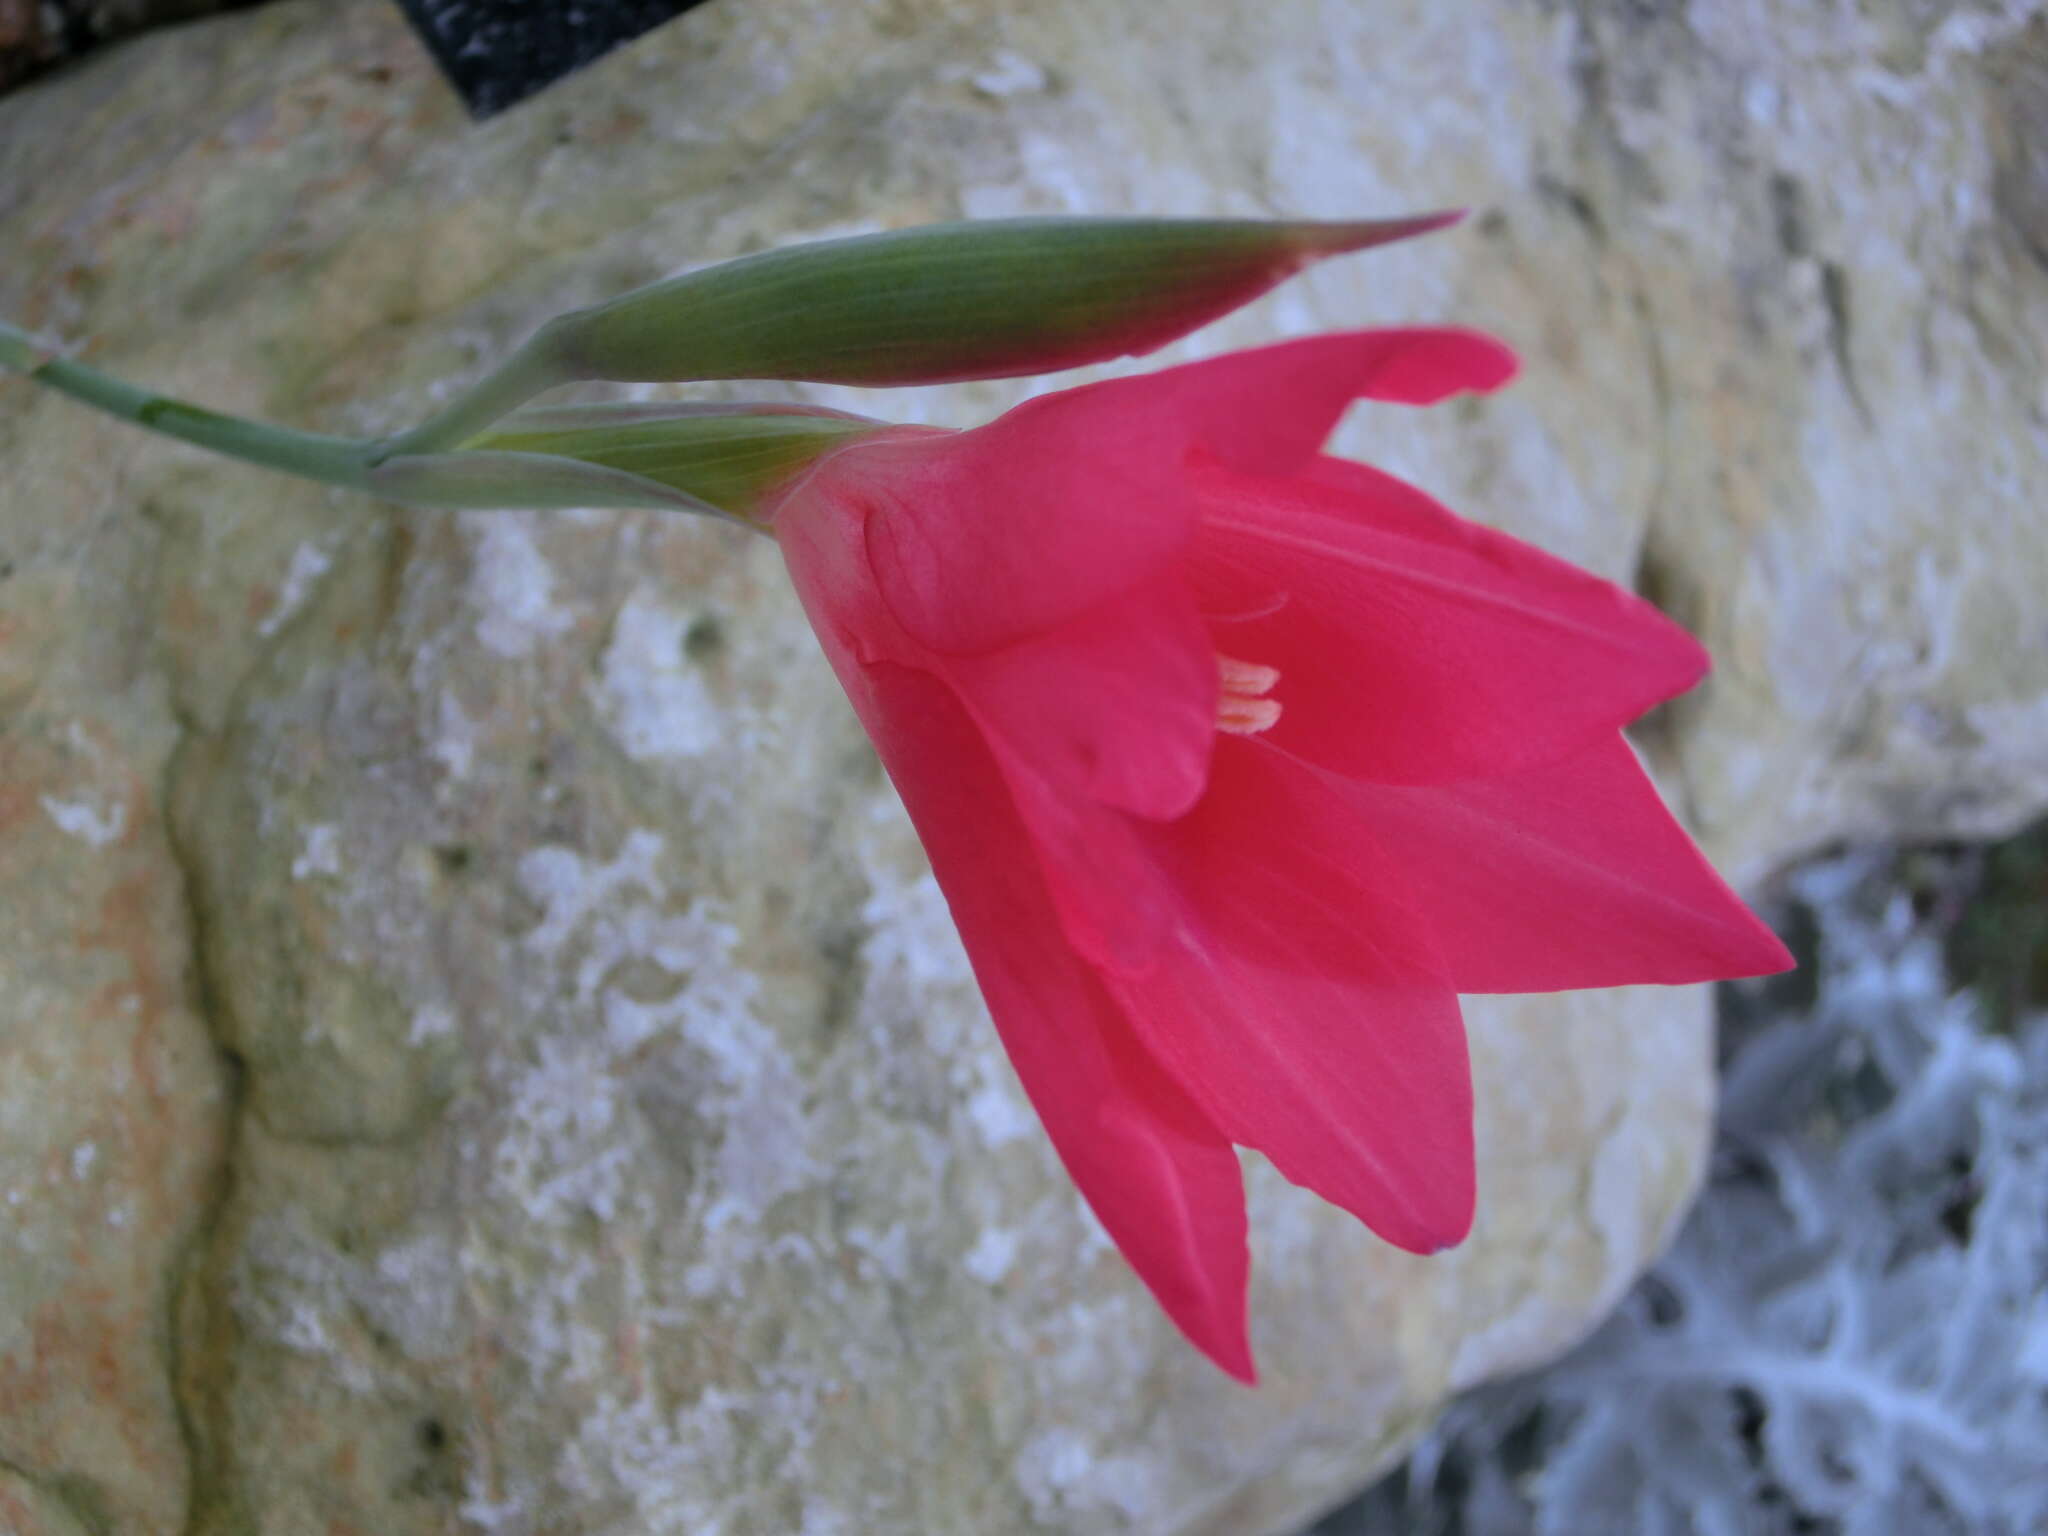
<point>1247,717</point>
<point>1242,708</point>
<point>1246,677</point>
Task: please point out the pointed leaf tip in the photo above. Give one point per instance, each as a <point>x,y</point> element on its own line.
<point>1345,236</point>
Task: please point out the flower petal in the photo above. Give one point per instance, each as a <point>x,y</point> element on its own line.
<point>1161,1178</point>
<point>1118,705</point>
<point>1268,410</point>
<point>1116,903</point>
<point>1571,874</point>
<point>1113,713</point>
<point>1413,646</point>
<point>1007,530</point>
<point>1303,1007</point>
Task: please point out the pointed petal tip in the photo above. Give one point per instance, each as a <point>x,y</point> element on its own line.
<point>1428,1217</point>
<point>1751,952</point>
<point>1429,1233</point>
<point>1495,363</point>
<point>1215,1318</point>
<point>1214,1312</point>
<point>1682,660</point>
<point>1228,1347</point>
<point>1734,942</point>
<point>1767,954</point>
<point>1423,1216</point>
<point>1699,661</point>
<point>1425,365</point>
<point>1453,1234</point>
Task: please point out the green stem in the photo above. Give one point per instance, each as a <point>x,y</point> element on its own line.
<point>343,461</point>
<point>536,367</point>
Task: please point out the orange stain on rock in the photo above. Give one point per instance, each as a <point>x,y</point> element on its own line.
<point>73,1352</point>
<point>90,1369</point>
<point>125,927</point>
<point>185,614</point>
<point>17,802</point>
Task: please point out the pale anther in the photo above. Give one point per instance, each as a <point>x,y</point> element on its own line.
<point>1242,709</point>
<point>1246,677</point>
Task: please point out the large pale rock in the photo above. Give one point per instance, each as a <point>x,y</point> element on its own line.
<point>481,1048</point>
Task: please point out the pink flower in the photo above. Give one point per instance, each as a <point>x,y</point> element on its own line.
<point>1236,764</point>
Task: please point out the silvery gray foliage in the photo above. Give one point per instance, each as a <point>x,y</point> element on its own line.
<point>1850,1334</point>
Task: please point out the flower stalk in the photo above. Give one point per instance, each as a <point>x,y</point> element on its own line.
<point>339,461</point>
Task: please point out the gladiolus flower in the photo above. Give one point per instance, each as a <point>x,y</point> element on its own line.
<point>1236,763</point>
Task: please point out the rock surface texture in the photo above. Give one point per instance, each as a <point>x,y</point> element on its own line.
<point>480,1050</point>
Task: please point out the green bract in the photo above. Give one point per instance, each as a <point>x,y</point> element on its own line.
<point>720,459</point>
<point>991,299</point>
<point>950,301</point>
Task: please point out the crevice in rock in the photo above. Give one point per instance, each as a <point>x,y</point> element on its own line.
<point>1612,159</point>
<point>2018,72</point>
<point>1791,220</point>
<point>1574,201</point>
<point>199,1321</point>
<point>1659,372</point>
<point>1834,292</point>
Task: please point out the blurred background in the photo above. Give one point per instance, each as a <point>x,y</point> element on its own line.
<point>480,1049</point>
